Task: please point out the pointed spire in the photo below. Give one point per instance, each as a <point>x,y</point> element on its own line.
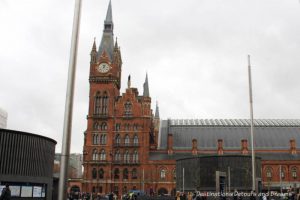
<point>107,42</point>
<point>94,48</point>
<point>116,43</point>
<point>129,82</point>
<point>156,111</point>
<point>146,87</point>
<point>108,13</point>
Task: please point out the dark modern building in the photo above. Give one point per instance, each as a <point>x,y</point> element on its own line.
<point>26,163</point>
<point>216,173</point>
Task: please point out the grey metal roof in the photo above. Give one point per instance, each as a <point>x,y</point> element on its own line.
<point>263,156</point>
<point>234,122</point>
<point>268,134</point>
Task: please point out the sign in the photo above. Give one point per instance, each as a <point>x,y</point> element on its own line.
<point>26,191</point>
<point>15,190</point>
<point>37,191</point>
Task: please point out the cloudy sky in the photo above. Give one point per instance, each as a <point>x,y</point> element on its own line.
<point>195,53</point>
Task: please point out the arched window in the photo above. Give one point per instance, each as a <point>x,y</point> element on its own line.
<point>135,127</point>
<point>103,139</point>
<point>128,108</point>
<point>102,155</point>
<point>127,140</point>
<point>101,104</point>
<point>135,157</point>
<point>117,156</point>
<point>105,103</point>
<point>96,126</point>
<point>127,127</point>
<point>135,140</point>
<point>174,174</point>
<point>97,102</point>
<point>118,140</point>
<point>134,173</point>
<point>118,127</point>
<point>116,173</point>
<point>126,157</point>
<point>269,173</point>
<point>104,126</point>
<point>101,173</point>
<point>163,173</point>
<point>95,139</point>
<point>294,172</point>
<point>125,173</point>
<point>282,172</point>
<point>94,173</point>
<point>95,155</point>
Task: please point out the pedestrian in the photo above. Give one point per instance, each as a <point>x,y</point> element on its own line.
<point>5,194</point>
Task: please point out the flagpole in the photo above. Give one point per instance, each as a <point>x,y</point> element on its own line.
<point>251,127</point>
<point>62,192</point>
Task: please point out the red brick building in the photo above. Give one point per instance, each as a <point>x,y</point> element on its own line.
<point>127,147</point>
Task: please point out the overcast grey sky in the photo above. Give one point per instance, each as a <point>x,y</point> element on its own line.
<point>195,53</point>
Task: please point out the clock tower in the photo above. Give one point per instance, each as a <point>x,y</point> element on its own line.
<point>105,84</point>
<point>119,126</point>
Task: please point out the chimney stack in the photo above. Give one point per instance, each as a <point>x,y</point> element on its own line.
<point>244,144</point>
<point>220,147</point>
<point>293,149</point>
<point>194,147</point>
<point>170,143</point>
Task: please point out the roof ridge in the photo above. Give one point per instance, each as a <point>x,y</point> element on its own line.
<point>235,122</point>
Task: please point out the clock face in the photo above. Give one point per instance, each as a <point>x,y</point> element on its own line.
<point>103,68</point>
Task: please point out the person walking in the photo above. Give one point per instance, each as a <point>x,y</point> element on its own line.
<point>5,194</point>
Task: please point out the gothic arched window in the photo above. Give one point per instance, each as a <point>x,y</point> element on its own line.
<point>134,173</point>
<point>135,157</point>
<point>105,103</point>
<point>127,127</point>
<point>135,140</point>
<point>95,139</point>
<point>97,104</point>
<point>126,157</point>
<point>102,155</point>
<point>117,156</point>
<point>163,173</point>
<point>282,172</point>
<point>118,140</point>
<point>101,173</point>
<point>116,173</point>
<point>96,126</point>
<point>269,173</point>
<point>95,155</point>
<point>127,140</point>
<point>118,127</point>
<point>294,172</point>
<point>104,126</point>
<point>125,173</point>
<point>94,173</point>
<point>103,139</point>
<point>135,127</point>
